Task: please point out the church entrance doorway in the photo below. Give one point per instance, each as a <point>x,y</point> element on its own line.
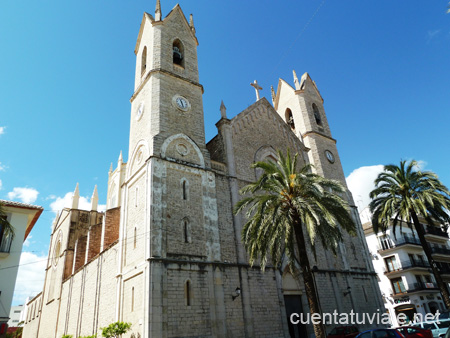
<point>294,305</point>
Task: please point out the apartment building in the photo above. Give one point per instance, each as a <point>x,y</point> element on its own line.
<point>404,274</point>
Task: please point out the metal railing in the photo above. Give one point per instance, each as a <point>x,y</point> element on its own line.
<point>407,265</point>
<point>416,287</point>
<point>438,250</point>
<point>393,243</point>
<point>435,231</point>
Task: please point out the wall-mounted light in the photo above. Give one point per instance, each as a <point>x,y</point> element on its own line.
<point>237,293</point>
<point>349,291</point>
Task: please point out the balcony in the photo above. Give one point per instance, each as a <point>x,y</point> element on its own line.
<point>406,265</point>
<point>400,241</point>
<point>435,231</point>
<point>415,287</point>
<point>435,250</point>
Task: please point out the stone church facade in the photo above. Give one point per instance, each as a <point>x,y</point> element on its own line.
<point>166,255</point>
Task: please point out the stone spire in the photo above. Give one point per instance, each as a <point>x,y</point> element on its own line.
<point>223,111</point>
<point>120,161</point>
<point>94,199</point>
<point>272,91</point>
<point>191,23</point>
<point>296,82</point>
<point>158,11</point>
<point>75,198</point>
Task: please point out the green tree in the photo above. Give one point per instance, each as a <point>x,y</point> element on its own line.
<point>289,209</point>
<point>403,194</point>
<point>6,229</point>
<point>66,336</point>
<point>115,329</point>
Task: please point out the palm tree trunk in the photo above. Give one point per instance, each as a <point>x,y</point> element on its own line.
<point>426,248</point>
<point>311,294</point>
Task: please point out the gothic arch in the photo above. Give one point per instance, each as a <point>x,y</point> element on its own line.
<point>262,154</point>
<point>316,113</point>
<point>178,52</point>
<point>184,184</point>
<point>144,60</point>
<point>289,118</point>
<point>175,145</point>
<point>138,157</point>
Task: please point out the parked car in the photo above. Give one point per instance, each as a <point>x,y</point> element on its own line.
<point>380,333</point>
<point>414,332</point>
<point>343,332</point>
<point>438,328</point>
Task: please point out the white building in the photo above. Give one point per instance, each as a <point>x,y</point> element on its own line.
<point>404,275</point>
<point>15,315</point>
<point>22,217</point>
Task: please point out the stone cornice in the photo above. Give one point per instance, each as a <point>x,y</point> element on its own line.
<point>318,133</point>
<point>163,71</point>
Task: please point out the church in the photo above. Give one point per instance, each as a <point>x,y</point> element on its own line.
<point>166,255</point>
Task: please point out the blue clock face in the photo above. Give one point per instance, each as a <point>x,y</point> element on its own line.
<point>329,155</point>
<point>182,103</point>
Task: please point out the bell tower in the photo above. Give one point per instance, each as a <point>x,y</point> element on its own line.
<point>167,97</point>
<point>302,108</point>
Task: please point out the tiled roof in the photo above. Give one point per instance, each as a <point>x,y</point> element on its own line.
<point>20,205</point>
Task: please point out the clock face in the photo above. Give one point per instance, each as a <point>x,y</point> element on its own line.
<point>329,155</point>
<point>181,103</point>
<point>140,111</point>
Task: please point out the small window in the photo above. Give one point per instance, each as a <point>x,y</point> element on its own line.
<point>178,53</point>
<point>136,194</point>
<point>289,118</point>
<point>186,234</point>
<point>317,114</point>
<point>132,299</point>
<point>144,61</point>
<point>184,191</point>
<point>188,293</point>
<point>135,237</point>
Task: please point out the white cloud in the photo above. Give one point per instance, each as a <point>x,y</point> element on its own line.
<point>360,183</point>
<point>26,195</point>
<point>27,241</point>
<point>66,202</point>
<point>2,167</point>
<point>433,34</point>
<point>30,278</point>
<point>2,130</point>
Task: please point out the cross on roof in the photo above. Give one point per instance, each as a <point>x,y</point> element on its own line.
<point>257,88</point>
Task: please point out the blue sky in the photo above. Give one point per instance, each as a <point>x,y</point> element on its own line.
<point>67,71</point>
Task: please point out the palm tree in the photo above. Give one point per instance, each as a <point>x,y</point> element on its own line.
<point>404,193</point>
<point>6,229</point>
<point>289,210</point>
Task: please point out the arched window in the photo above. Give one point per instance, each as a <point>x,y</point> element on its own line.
<point>317,114</point>
<point>184,189</point>
<point>188,292</point>
<point>144,61</point>
<point>186,232</point>
<point>289,118</point>
<point>136,194</point>
<point>178,53</point>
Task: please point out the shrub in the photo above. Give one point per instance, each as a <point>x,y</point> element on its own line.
<point>114,330</point>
